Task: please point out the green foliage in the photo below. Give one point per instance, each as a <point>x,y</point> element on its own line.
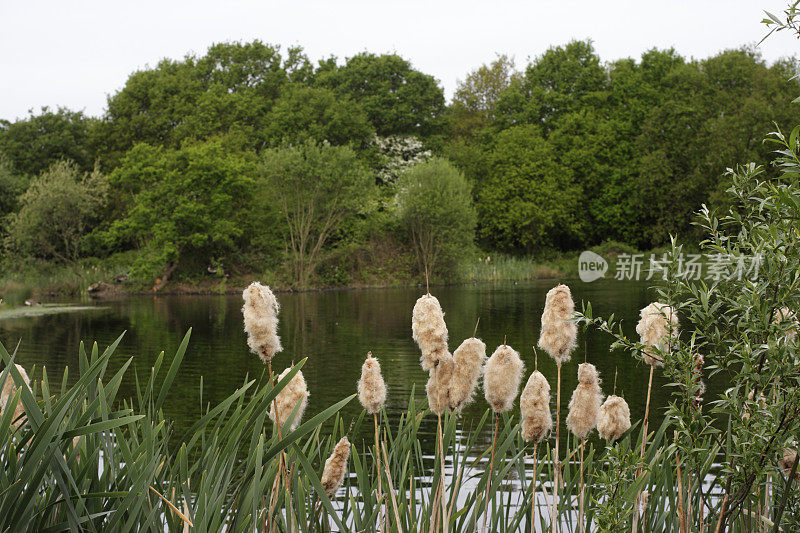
<point>475,100</point>
<point>12,185</point>
<point>397,98</point>
<point>182,204</point>
<point>320,192</point>
<point>304,114</point>
<point>57,211</point>
<point>528,200</point>
<point>34,143</point>
<point>436,213</point>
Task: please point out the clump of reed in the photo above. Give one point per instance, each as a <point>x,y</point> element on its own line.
<point>584,413</point>
<point>559,336</point>
<point>9,389</point>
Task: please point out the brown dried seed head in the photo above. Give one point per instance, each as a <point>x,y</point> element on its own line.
<point>371,387</point>
<point>502,375</point>
<point>438,386</point>
<point>615,418</point>
<point>559,334</point>
<point>336,467</point>
<point>657,327</point>
<point>584,407</point>
<point>9,389</point>
<point>534,403</point>
<point>469,358</point>
<point>429,330</point>
<point>293,393</point>
<point>787,462</point>
<point>260,313</point>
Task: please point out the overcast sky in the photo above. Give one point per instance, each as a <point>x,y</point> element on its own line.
<point>75,53</point>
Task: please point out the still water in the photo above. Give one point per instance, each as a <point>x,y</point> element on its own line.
<point>334,330</point>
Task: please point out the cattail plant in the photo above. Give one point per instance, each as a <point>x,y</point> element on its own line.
<point>502,375</point>
<point>372,395</point>
<point>657,328</point>
<point>537,421</point>
<point>469,358</point>
<point>336,467</point>
<point>558,338</point>
<point>429,331</point>
<point>584,413</point>
<point>9,388</point>
<point>295,392</point>
<point>615,418</point>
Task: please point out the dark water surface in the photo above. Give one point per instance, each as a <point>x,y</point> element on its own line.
<point>334,329</point>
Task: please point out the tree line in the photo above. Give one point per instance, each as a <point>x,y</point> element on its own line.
<point>251,158</point>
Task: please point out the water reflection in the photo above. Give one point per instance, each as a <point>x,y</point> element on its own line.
<point>334,330</point>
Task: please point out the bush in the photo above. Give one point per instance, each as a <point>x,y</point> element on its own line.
<point>436,213</point>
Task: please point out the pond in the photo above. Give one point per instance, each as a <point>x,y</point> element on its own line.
<point>334,330</point>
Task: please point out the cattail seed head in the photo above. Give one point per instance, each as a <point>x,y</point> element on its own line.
<point>657,327</point>
<point>615,418</point>
<point>786,315</point>
<point>438,386</point>
<point>371,387</point>
<point>559,334</point>
<point>293,393</point>
<point>534,403</point>
<point>260,312</point>
<point>645,499</point>
<point>429,330</point>
<point>336,467</point>
<point>787,462</point>
<point>469,358</point>
<point>9,389</point>
<point>584,407</point>
<point>502,375</point>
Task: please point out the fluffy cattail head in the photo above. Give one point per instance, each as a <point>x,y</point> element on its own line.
<point>371,387</point>
<point>559,334</point>
<point>537,420</point>
<point>786,315</point>
<point>657,327</point>
<point>584,407</point>
<point>469,359</point>
<point>336,467</point>
<point>615,418</point>
<point>293,393</point>
<point>502,375</point>
<point>645,499</point>
<point>260,312</point>
<point>9,389</point>
<point>787,463</point>
<point>429,330</point>
<point>438,386</point>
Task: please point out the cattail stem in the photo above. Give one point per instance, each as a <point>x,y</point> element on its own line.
<point>580,503</point>
<point>378,467</point>
<point>442,490</point>
<point>557,473</point>
<point>681,516</point>
<point>491,468</point>
<point>533,488</point>
<point>641,453</point>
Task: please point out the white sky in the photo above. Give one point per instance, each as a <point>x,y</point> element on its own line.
<point>75,52</point>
